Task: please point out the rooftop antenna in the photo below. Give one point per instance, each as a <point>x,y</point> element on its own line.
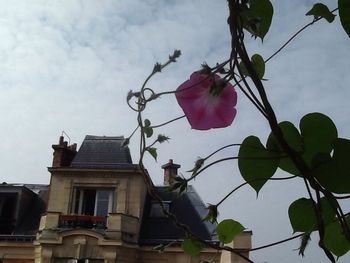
<point>64,133</point>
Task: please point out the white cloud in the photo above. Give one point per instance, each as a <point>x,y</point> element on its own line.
<point>67,65</point>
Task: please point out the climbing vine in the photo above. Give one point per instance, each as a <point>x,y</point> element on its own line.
<point>311,152</point>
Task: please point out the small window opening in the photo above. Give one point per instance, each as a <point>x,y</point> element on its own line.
<point>8,203</point>
<point>156,209</point>
<point>94,202</point>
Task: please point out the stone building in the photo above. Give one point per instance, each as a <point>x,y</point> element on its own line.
<point>97,209</point>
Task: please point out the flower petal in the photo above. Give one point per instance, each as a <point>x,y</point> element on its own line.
<point>203,109</point>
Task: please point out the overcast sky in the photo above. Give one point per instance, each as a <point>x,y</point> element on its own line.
<point>68,65</point>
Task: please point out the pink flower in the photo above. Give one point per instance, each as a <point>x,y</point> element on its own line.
<point>205,104</point>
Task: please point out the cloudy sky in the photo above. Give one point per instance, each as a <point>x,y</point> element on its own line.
<point>68,65</point>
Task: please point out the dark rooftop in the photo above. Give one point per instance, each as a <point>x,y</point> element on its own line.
<point>188,208</point>
<point>24,205</point>
<point>103,152</point>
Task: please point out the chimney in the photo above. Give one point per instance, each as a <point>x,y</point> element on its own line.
<point>63,154</point>
<point>170,170</point>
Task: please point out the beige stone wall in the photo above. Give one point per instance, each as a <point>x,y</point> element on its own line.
<point>16,251</point>
<point>129,189</point>
<point>90,244</point>
<point>242,242</point>
<point>130,193</point>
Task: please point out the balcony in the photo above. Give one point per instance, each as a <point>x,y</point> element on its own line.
<point>82,221</point>
<point>117,226</point>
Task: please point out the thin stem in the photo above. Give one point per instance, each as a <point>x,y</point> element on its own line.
<point>342,197</point>
<point>295,35</point>
<point>222,148</point>
<point>227,159</point>
<point>248,182</point>
<point>256,104</point>
<point>276,243</point>
<point>319,219</point>
<point>165,123</point>
<point>132,134</point>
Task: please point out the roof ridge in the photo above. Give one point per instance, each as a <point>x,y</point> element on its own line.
<point>96,137</point>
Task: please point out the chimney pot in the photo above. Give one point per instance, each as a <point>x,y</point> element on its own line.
<point>170,171</point>
<point>63,154</point>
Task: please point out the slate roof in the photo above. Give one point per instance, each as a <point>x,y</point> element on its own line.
<point>188,208</point>
<point>103,152</point>
<point>32,204</point>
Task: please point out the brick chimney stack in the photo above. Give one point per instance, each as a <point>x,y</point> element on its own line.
<point>63,153</point>
<point>170,170</point>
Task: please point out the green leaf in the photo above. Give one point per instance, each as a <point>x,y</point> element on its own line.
<point>258,65</point>
<point>344,11</point>
<point>148,131</point>
<point>162,138</point>
<point>333,173</point>
<point>191,247</point>
<point>318,132</point>
<point>255,163</point>
<point>228,229</point>
<point>147,128</point>
<point>262,10</point>
<point>243,69</point>
<point>212,214</point>
<point>153,152</point>
<point>294,140</point>
<point>147,123</point>
<point>335,240</point>
<point>321,10</point>
<point>328,213</point>
<point>302,214</point>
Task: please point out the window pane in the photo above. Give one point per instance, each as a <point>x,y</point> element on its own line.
<point>77,201</point>
<point>103,197</point>
<point>156,209</point>
<point>89,202</point>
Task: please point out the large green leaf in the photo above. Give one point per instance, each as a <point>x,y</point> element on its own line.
<point>262,10</point>
<point>228,229</point>
<point>335,240</point>
<point>344,13</point>
<point>318,132</point>
<point>255,163</point>
<point>321,10</point>
<point>258,65</point>
<point>191,247</point>
<point>294,140</point>
<point>302,214</point>
<point>333,173</point>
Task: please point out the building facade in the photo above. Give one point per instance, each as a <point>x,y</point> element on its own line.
<point>97,209</point>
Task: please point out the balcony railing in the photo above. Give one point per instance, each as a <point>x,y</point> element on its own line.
<point>82,221</point>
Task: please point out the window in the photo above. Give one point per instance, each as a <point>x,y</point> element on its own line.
<point>94,202</point>
<point>8,203</point>
<point>156,209</point>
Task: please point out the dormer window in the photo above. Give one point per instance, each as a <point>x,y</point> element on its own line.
<point>156,209</point>
<point>8,202</point>
<point>92,201</point>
